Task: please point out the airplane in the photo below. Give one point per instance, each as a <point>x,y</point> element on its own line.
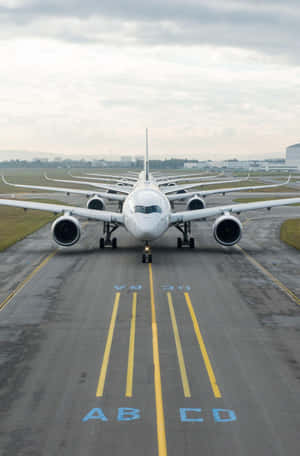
<point>147,215</point>
<point>96,198</point>
<point>166,189</point>
<point>194,200</point>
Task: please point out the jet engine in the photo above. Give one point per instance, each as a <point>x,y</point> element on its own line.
<point>66,230</point>
<point>195,203</point>
<point>96,203</point>
<point>227,230</point>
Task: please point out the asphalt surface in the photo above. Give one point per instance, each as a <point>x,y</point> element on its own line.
<point>67,334</point>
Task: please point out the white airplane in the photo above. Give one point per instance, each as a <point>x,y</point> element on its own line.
<point>147,215</point>
<point>194,200</point>
<point>128,187</point>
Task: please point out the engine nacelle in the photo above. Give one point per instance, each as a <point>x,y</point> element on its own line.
<point>195,203</point>
<point>96,203</point>
<point>227,230</point>
<point>66,230</point>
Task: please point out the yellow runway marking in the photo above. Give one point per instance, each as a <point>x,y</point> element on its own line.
<point>131,349</point>
<point>106,355</point>
<point>28,278</point>
<point>160,419</point>
<point>184,378</point>
<point>205,356</point>
<point>270,276</point>
<point>4,303</point>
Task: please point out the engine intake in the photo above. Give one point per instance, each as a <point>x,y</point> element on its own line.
<point>66,230</point>
<point>195,203</point>
<point>227,230</point>
<point>96,203</point>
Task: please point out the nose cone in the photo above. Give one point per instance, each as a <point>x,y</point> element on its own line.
<point>148,227</point>
<point>145,231</point>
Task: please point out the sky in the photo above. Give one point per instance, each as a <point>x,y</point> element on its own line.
<point>211,79</point>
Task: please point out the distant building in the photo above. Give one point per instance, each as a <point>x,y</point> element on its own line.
<point>191,165</point>
<point>125,161</point>
<point>237,164</point>
<point>293,155</point>
<point>197,164</point>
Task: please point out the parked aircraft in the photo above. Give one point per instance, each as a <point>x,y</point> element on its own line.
<point>147,215</point>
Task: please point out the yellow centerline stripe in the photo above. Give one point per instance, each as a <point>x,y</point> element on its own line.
<point>28,278</point>
<point>184,378</point>
<point>131,349</point>
<point>205,356</point>
<point>270,276</point>
<point>160,419</point>
<point>103,370</point>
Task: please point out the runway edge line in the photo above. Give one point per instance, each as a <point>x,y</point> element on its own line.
<point>268,274</point>
<point>25,281</point>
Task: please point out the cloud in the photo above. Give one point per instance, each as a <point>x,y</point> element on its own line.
<point>270,27</point>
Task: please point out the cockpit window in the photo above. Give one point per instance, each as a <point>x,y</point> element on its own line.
<point>147,209</point>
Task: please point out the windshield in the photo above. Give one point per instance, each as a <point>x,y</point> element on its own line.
<point>147,209</point>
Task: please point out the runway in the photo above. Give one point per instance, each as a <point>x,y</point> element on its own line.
<point>196,354</point>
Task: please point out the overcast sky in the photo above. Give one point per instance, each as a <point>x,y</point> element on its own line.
<point>211,79</point>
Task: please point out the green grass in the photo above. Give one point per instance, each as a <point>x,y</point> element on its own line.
<point>31,176</point>
<point>290,232</point>
<point>16,224</point>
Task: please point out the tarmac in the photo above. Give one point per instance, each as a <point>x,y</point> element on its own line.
<point>196,354</point>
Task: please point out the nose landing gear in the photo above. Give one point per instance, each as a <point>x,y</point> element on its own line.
<point>147,254</point>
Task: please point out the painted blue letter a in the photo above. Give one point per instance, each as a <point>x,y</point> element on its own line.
<point>95,414</point>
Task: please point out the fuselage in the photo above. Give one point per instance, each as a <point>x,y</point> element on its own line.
<point>146,210</point>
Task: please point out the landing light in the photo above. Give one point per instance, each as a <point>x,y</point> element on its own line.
<point>147,248</point>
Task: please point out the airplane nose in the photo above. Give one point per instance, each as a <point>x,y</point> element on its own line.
<point>145,230</point>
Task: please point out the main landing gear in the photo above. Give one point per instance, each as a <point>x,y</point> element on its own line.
<point>186,240</point>
<point>147,254</point>
<point>108,229</point>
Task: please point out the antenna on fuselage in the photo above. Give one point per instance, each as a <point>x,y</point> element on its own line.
<point>146,163</point>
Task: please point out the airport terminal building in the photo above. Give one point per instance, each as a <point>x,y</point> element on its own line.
<point>293,155</point>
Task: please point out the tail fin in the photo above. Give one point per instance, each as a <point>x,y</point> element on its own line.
<point>146,162</point>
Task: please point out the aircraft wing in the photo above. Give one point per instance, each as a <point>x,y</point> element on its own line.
<point>112,176</point>
<point>170,180</point>
<point>176,188</point>
<point>223,191</point>
<point>199,214</point>
<point>114,188</point>
<point>111,196</point>
<point>120,181</point>
<point>103,216</point>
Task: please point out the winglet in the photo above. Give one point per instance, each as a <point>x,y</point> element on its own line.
<point>4,180</point>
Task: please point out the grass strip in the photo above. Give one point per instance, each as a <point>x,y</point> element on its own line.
<point>16,224</point>
<point>290,232</point>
